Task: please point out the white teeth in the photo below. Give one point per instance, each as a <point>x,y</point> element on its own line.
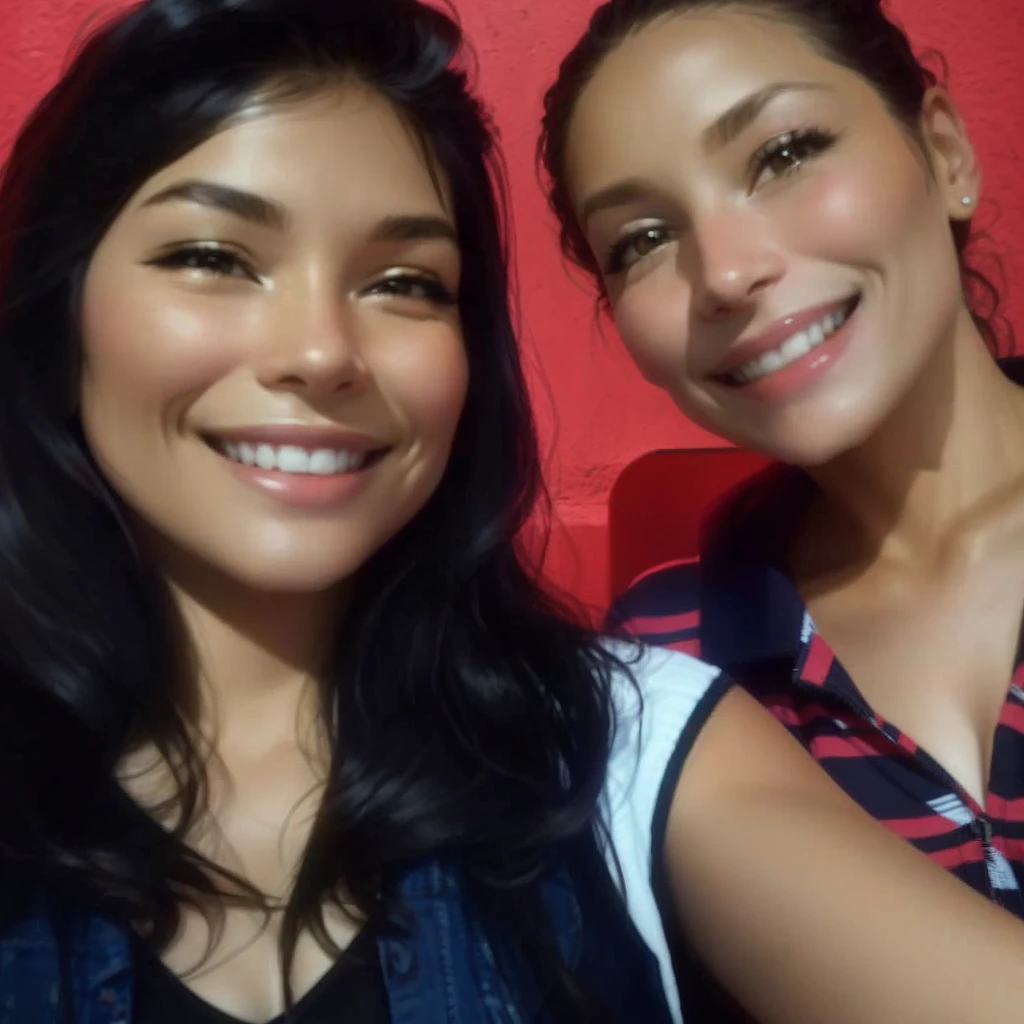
<point>323,462</point>
<point>266,457</point>
<point>293,459</point>
<point>795,347</point>
<point>792,349</point>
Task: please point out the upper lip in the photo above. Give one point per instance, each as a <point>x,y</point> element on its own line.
<point>299,435</point>
<point>746,349</point>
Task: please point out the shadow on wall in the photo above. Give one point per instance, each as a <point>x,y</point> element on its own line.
<point>655,511</point>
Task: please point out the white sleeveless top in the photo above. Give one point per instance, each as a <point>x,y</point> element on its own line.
<point>657,721</point>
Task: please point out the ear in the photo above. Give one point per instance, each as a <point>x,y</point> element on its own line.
<point>951,154</point>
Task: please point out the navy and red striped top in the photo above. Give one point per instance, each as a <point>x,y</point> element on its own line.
<point>738,609</point>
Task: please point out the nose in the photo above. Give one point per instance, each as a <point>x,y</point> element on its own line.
<point>736,262</point>
<point>315,350</point>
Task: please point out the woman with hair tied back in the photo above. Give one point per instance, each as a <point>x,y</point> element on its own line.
<point>776,199</point>
<point>288,730</point>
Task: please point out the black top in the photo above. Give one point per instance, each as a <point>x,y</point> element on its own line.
<point>352,990</point>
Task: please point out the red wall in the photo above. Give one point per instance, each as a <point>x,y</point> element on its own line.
<point>606,415</point>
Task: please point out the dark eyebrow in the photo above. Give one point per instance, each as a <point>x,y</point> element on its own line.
<point>743,114</point>
<point>620,194</point>
<point>725,128</point>
<point>267,213</point>
<point>246,205</point>
<point>414,228</point>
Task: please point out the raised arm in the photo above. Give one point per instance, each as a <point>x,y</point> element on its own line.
<point>808,910</point>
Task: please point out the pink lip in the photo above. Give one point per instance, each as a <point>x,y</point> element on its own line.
<point>302,490</point>
<point>773,336</point>
<point>805,371</point>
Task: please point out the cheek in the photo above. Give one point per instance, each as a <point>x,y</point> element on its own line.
<point>652,318</point>
<point>888,221</point>
<point>147,352</point>
<point>866,213</point>
<point>424,380</point>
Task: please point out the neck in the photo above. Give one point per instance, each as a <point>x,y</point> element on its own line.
<point>924,480</point>
<point>259,657</point>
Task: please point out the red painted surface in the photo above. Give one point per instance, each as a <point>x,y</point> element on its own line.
<point>606,416</point>
<point>669,492</point>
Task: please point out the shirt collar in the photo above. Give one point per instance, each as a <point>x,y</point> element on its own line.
<point>750,613</point>
<point>750,610</point>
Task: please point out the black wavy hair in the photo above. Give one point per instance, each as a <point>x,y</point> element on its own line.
<point>473,715</point>
<point>857,34</point>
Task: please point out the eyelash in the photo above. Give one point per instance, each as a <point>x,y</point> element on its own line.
<point>616,261</point>
<point>432,289</point>
<point>813,140</point>
<point>212,259</point>
<point>222,262</point>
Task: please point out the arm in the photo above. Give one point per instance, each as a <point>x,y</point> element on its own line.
<point>809,911</point>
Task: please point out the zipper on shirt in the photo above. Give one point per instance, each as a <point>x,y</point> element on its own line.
<point>982,828</point>
<point>981,825</point>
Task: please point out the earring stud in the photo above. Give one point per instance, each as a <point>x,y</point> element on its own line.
<point>966,201</point>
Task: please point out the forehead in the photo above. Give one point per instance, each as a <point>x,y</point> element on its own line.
<point>346,148</point>
<point>667,82</point>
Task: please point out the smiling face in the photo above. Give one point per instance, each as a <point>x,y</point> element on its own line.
<point>273,367</point>
<point>775,247</point>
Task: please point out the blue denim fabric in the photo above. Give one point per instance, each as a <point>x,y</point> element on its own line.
<point>441,968</point>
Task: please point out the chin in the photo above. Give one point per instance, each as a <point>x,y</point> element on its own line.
<point>809,448</point>
<point>805,456</point>
<point>808,432</point>
<point>296,574</point>
<point>262,561</point>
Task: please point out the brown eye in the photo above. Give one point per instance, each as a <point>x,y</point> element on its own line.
<point>414,286</point>
<point>647,241</point>
<point>787,153</point>
<point>634,247</point>
<point>207,259</point>
<point>215,262</point>
<point>786,158</point>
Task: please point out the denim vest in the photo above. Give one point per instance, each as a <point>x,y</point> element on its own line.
<point>442,969</point>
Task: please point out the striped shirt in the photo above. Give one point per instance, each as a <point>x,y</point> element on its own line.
<point>738,609</point>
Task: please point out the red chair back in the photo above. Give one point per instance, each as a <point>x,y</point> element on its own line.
<point>659,501</point>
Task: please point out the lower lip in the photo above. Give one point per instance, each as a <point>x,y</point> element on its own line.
<point>800,375</point>
<point>301,490</point>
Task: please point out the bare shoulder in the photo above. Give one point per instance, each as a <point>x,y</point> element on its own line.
<point>793,895</point>
<point>743,749</point>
